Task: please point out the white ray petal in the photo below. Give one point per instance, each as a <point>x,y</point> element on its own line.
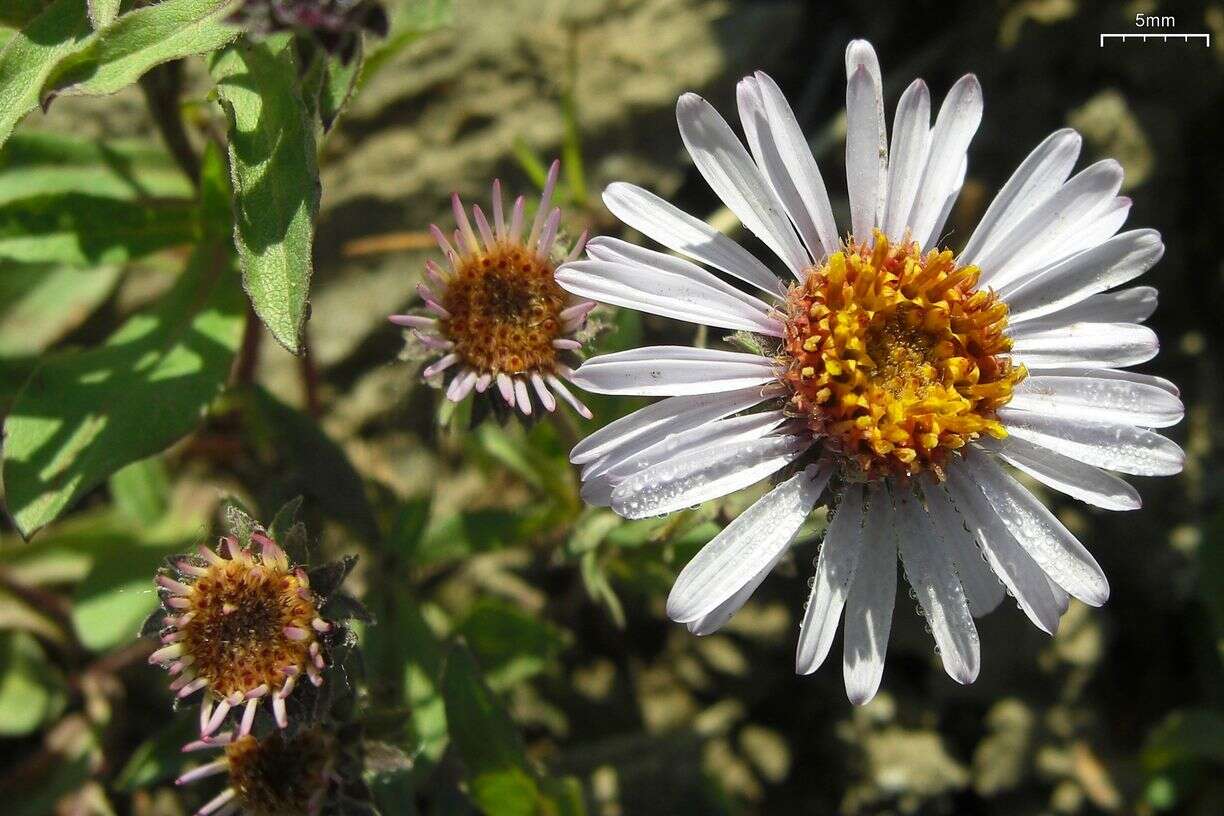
<point>1133,305</point>
<point>1059,554</point>
<point>869,606</point>
<point>1016,569</point>
<point>1084,482</point>
<point>648,425</point>
<point>835,566</point>
<point>672,370</point>
<point>955,125</point>
<point>929,569</point>
<point>936,236</point>
<point>1121,448</point>
<point>799,165</point>
<point>1098,400</point>
<point>1105,374</point>
<point>711,622</point>
<point>1113,263</point>
<point>1086,344</point>
<point>983,591</point>
<point>1033,182</point>
<point>1095,228</point>
<point>1027,246</point>
<point>678,231</point>
<point>768,156</point>
<point>860,53</point>
<point>705,474</point>
<point>731,173</point>
<point>910,141</point>
<point>601,478</point>
<point>866,149</point>
<point>749,543</point>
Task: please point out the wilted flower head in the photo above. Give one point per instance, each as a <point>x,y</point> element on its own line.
<point>891,375</point>
<point>282,774</point>
<point>497,316</point>
<point>242,623</point>
<point>336,25</point>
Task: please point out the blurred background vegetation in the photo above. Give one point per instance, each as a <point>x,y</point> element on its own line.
<point>522,659</point>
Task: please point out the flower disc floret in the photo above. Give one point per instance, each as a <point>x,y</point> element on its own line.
<point>505,311</point>
<point>242,624</point>
<point>895,358</point>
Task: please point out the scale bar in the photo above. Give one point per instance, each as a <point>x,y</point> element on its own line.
<point>1165,37</point>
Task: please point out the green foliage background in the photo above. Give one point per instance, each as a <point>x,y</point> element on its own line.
<point>184,317</point>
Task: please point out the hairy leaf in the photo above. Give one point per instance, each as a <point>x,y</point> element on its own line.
<point>29,58</point>
<point>139,40</point>
<point>275,179</point>
<point>83,416</point>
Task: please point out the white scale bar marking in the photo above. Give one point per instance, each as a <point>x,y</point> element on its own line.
<point>1165,37</point>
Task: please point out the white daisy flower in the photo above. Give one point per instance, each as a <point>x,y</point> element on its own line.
<point>892,374</point>
<point>496,316</point>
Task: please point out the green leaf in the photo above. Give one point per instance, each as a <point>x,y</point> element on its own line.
<point>103,12</point>
<point>564,795</point>
<point>339,83</point>
<point>466,533</point>
<point>141,490</point>
<point>315,466</point>
<point>40,303</point>
<point>275,179</point>
<point>42,164</point>
<point>411,521</point>
<point>500,781</point>
<point>83,416</point>
<point>82,229</point>
<point>512,645</point>
<point>31,691</point>
<point>117,595</point>
<point>406,659</point>
<point>1185,735</point>
<point>119,55</point>
<point>29,57</point>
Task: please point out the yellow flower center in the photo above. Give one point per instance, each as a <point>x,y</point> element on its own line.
<point>505,308</point>
<point>236,636</point>
<point>276,776</point>
<point>895,358</point>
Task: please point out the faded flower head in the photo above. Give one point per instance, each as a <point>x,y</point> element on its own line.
<point>283,774</point>
<point>885,373</point>
<point>497,317</point>
<point>241,623</point>
<point>336,25</point>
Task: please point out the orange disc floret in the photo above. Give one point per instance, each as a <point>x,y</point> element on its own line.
<point>237,634</point>
<point>895,358</point>
<point>505,311</point>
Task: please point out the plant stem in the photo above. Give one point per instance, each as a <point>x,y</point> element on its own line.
<point>248,353</point>
<point>162,87</point>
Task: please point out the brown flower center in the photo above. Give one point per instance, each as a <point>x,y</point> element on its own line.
<point>505,309</point>
<point>236,635</point>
